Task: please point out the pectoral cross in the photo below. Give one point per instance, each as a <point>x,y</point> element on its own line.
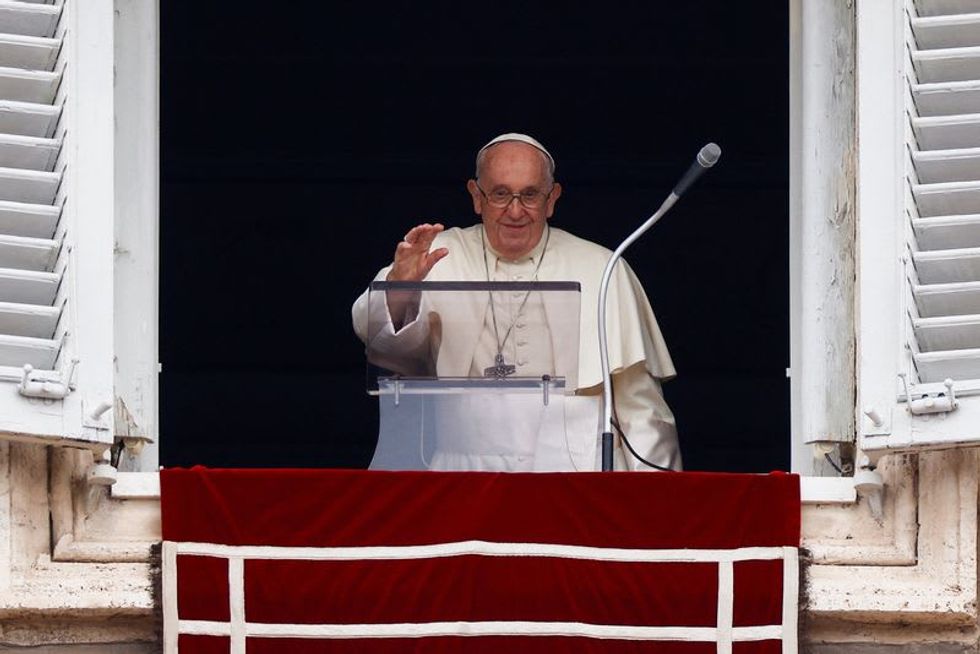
<point>499,369</point>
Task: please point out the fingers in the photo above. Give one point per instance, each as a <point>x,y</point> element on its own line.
<point>434,257</point>
<point>423,234</point>
<point>417,241</point>
<point>413,261</point>
<point>421,230</point>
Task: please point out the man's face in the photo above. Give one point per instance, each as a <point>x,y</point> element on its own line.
<point>513,167</point>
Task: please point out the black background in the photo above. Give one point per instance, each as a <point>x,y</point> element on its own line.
<point>301,140</point>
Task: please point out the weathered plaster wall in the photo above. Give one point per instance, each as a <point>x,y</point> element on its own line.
<point>873,648</point>
<point>909,582</point>
<point>102,648</point>
<point>94,583</point>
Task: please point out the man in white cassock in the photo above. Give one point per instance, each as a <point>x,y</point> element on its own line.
<point>515,194</point>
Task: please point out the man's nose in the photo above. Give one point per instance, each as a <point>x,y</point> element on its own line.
<point>515,208</point>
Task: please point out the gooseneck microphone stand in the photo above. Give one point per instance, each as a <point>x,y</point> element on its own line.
<point>706,158</point>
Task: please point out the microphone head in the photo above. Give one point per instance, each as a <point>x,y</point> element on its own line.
<point>708,156</point>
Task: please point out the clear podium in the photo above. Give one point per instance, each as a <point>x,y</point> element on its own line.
<point>473,375</point>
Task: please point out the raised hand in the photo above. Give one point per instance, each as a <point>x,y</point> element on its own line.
<point>413,260</point>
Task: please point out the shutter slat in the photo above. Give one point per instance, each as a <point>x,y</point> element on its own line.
<point>946,98</point>
<point>30,152</point>
<point>934,166</point>
<point>947,232</point>
<point>37,86</point>
<point>35,52</point>
<point>947,132</point>
<point>31,186</point>
<point>19,350</point>
<point>28,320</point>
<point>934,300</point>
<point>934,367</point>
<point>948,332</point>
<point>28,18</point>
<point>27,253</point>
<point>948,266</point>
<point>951,31</point>
<point>947,198</point>
<point>32,220</point>
<point>28,287</point>
<point>947,64</point>
<point>28,118</point>
<point>943,7</point>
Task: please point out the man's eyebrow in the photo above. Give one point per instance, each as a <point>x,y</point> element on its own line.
<point>504,187</point>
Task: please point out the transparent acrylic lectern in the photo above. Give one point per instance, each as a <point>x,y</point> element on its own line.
<point>472,375</point>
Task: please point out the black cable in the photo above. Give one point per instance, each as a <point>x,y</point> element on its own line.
<point>639,458</point>
<point>832,464</point>
<point>629,446</point>
<point>115,453</point>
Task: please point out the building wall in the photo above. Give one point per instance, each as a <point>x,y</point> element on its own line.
<point>75,563</point>
<point>78,563</point>
<point>908,579</point>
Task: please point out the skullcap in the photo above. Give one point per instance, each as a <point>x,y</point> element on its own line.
<point>523,138</point>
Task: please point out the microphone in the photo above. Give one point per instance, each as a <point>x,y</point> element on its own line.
<point>707,157</point>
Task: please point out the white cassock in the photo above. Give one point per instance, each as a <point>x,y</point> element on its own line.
<point>638,355</point>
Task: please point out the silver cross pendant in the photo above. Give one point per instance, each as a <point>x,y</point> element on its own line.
<point>499,369</point>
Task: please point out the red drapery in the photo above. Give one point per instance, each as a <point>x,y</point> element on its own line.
<point>360,561</point>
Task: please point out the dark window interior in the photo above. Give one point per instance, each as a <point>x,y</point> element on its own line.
<point>298,146</point>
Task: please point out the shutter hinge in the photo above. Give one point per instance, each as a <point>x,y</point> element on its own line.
<point>39,384</point>
<point>926,403</point>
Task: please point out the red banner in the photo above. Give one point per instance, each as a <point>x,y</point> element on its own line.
<point>355,561</point>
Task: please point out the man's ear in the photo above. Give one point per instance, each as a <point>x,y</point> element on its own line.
<point>552,199</point>
<point>476,195</point>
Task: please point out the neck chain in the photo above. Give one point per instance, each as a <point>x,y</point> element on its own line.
<point>501,368</point>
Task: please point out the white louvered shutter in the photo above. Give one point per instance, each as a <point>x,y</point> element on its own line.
<point>936,209</point>
<point>945,182</point>
<point>56,221</point>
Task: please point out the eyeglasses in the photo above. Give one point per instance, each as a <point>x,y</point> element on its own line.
<point>531,198</point>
